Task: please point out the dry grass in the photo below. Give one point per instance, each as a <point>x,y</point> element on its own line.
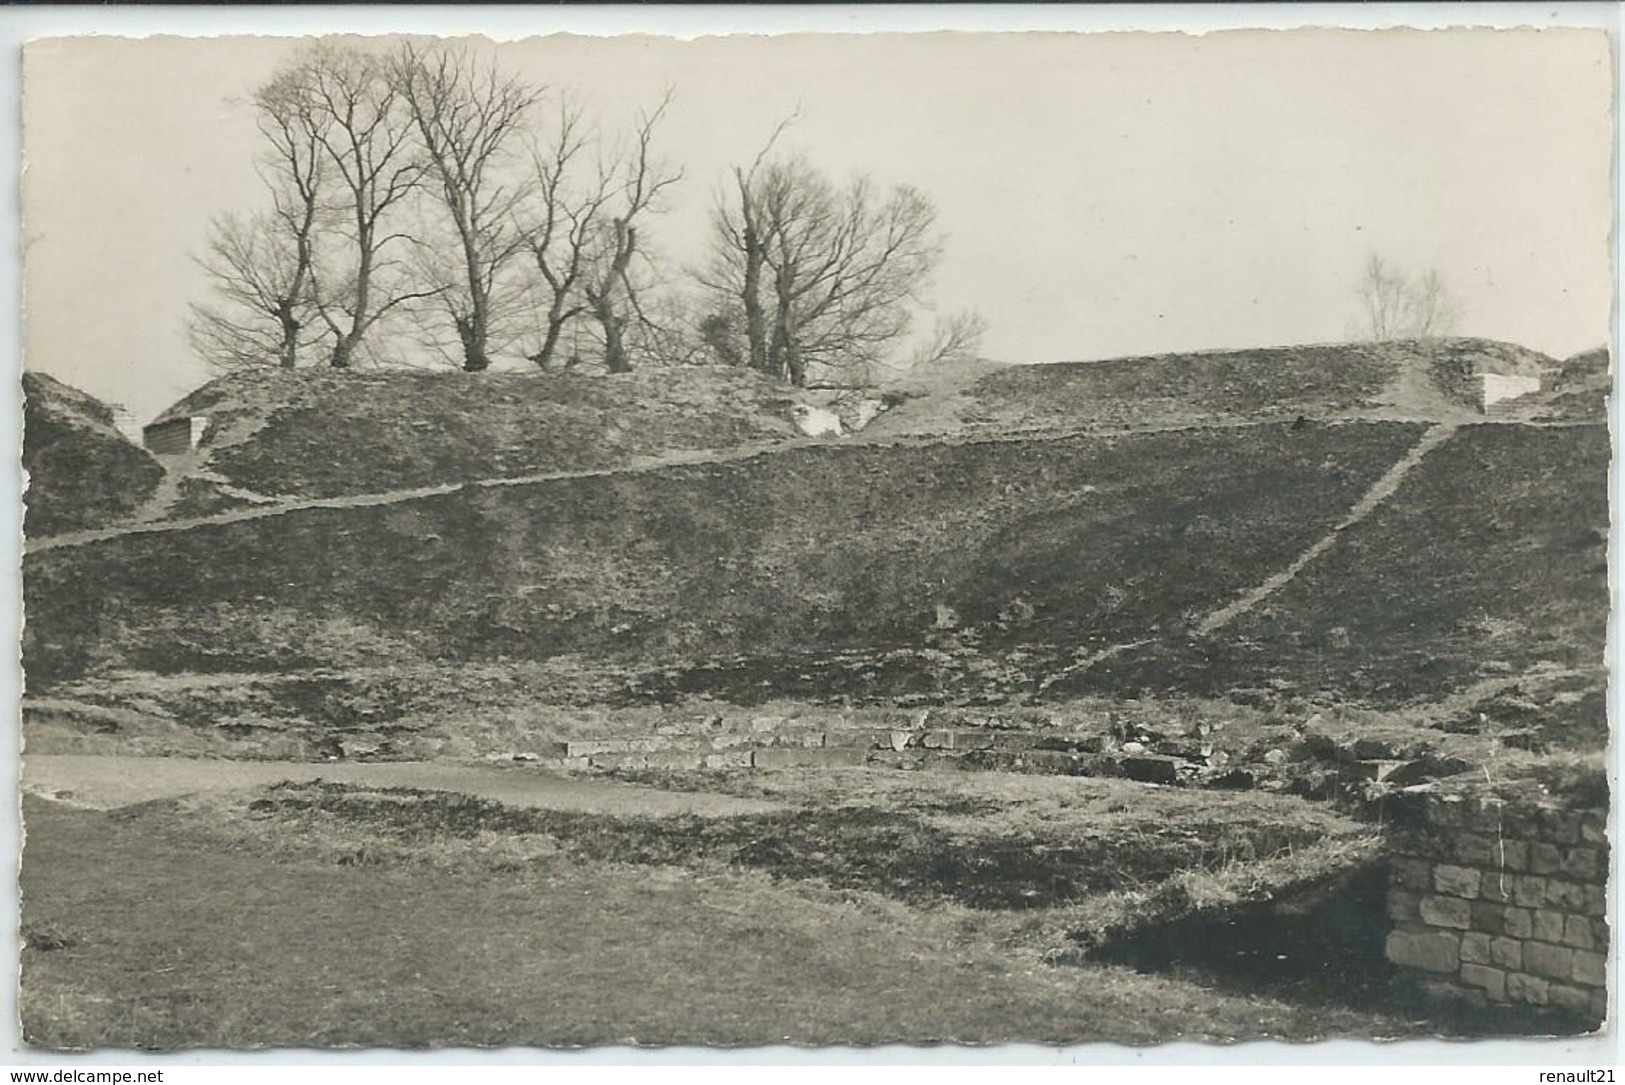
<point>984,841</point>
<point>151,929</point>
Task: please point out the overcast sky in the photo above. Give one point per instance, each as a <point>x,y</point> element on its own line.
<point>1102,194</point>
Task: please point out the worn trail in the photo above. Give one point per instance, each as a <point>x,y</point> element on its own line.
<point>1373,498</point>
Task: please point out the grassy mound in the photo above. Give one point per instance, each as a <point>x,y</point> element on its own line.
<point>82,472</point>
<point>1050,848</point>
<point>1578,389</point>
<point>324,433</point>
<point>1085,542</point>
<point>1414,379</point>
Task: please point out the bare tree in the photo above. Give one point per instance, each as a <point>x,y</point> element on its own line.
<point>561,224</point>
<point>343,98</point>
<point>263,267</point>
<point>1394,305</point>
<point>1434,311</point>
<point>823,275</point>
<point>740,237</point>
<point>264,312</point>
<point>611,289</point>
<point>583,236</point>
<point>467,115</point>
<point>954,338</point>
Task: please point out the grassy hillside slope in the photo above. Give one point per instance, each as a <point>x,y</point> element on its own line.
<point>1578,389</point>
<point>1410,379</point>
<point>82,472</point>
<point>1083,542</point>
<point>1491,558</point>
<point>323,433</point>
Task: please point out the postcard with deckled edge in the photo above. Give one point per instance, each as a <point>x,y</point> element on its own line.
<point>823,539</point>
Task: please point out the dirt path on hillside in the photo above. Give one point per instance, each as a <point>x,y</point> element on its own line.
<point>1373,498</point>
<point>678,459</point>
<point>105,782</point>
<point>1089,661</point>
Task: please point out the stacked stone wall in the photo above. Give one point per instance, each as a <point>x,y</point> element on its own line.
<point>1503,901</point>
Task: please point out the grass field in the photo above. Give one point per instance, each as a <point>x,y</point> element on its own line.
<point>327,916</point>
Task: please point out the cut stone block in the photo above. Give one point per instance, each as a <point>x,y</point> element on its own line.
<point>1446,912</point>
<point>1590,969</point>
<point>1569,896</point>
<point>1491,980</point>
<point>1545,859</point>
<point>1475,948</point>
<point>1577,999</point>
<point>783,757</point>
<point>1549,926</point>
<point>1585,864</point>
<point>1476,849</point>
<point>867,740</point>
<point>1577,932</point>
<point>1522,987</point>
<point>1496,886</point>
<point>1456,881</point>
<point>1553,962</point>
<point>1430,951</point>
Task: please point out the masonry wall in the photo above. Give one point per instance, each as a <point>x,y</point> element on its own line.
<point>1499,900</point>
<point>1497,389</point>
<point>175,436</point>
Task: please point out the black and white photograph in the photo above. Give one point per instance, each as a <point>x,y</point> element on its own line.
<point>829,539</point>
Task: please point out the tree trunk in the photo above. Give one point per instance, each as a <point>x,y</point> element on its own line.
<point>603,299</point>
<point>344,351</point>
<point>751,295</point>
<point>782,360</point>
<point>794,368</point>
<point>289,353</point>
<point>615,359</point>
<point>550,342</point>
<point>794,365</point>
<point>471,330</point>
<point>776,352</point>
<point>474,329</point>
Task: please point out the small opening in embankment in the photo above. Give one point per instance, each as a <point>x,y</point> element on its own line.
<point>1319,945</point>
<point>1323,943</point>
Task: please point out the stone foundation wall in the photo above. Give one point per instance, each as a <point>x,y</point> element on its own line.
<point>1503,900</point>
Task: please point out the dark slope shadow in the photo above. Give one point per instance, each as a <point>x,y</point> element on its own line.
<point>1322,946</point>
